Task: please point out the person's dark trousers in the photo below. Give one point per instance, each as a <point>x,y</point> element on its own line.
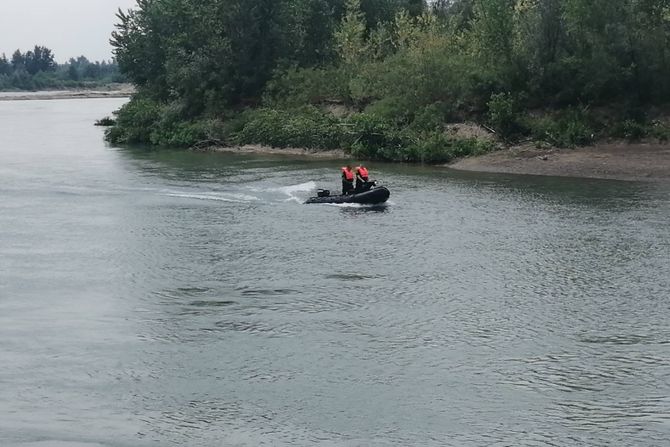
<point>362,185</point>
<point>347,187</point>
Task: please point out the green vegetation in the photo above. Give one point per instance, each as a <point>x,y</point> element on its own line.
<point>383,79</point>
<point>37,70</point>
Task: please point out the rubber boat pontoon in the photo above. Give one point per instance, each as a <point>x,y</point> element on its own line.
<point>371,195</point>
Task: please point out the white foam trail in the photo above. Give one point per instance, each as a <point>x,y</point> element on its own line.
<point>229,197</point>
<point>302,187</point>
<point>294,199</point>
<point>358,205</point>
<point>289,191</point>
<point>292,189</point>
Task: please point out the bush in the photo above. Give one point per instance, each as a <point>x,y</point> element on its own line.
<point>135,122</point>
<point>392,110</point>
<point>5,82</point>
<point>298,87</point>
<point>659,131</point>
<point>635,129</point>
<point>145,121</point>
<point>106,121</point>
<point>371,136</point>
<point>432,117</point>
<point>378,139</point>
<point>307,127</point>
<point>182,134</point>
<point>173,128</point>
<point>21,80</point>
<point>505,117</point>
<point>442,148</point>
<point>631,130</point>
<point>569,128</point>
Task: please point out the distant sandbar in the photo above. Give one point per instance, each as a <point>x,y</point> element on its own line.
<point>114,91</point>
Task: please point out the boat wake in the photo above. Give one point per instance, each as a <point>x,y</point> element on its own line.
<point>268,194</point>
<point>349,205</point>
<point>360,208</point>
<point>291,191</point>
<point>218,196</point>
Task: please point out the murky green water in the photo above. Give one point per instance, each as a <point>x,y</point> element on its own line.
<point>169,298</point>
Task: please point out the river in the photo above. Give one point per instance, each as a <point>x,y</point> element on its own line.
<point>156,298</point>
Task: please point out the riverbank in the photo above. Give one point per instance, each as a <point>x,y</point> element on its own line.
<point>262,149</point>
<point>618,161</point>
<point>615,161</point>
<point>111,91</point>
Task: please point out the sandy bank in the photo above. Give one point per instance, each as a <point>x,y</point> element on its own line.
<point>115,91</point>
<point>259,149</point>
<point>620,161</point>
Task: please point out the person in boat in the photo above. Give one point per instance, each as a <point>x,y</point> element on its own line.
<point>347,180</point>
<point>362,178</point>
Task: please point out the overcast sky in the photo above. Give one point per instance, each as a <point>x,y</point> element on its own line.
<point>70,28</point>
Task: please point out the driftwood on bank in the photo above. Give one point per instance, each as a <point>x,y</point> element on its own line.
<point>207,145</point>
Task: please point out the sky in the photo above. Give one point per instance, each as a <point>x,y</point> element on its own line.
<point>70,28</point>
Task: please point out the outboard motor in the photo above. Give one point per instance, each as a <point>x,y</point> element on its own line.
<point>323,193</point>
<point>367,186</point>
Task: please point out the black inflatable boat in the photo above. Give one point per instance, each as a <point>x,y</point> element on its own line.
<point>370,196</point>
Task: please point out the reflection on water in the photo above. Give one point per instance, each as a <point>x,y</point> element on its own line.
<point>167,297</point>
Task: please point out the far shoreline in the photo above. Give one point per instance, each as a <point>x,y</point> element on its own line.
<point>110,91</point>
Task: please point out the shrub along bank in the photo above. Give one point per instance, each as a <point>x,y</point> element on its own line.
<point>364,136</point>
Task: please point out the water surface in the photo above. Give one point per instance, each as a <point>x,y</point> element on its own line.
<point>172,298</point>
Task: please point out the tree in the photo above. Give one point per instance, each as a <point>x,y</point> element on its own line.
<point>415,7</point>
<point>380,11</point>
<point>215,54</point>
<point>92,71</point>
<point>40,59</point>
<point>139,49</point>
<point>350,36</point>
<point>18,61</point>
<point>5,66</point>
<point>494,30</point>
<point>72,71</point>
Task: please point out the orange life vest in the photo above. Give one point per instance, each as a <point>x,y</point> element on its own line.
<point>363,172</point>
<point>348,175</point>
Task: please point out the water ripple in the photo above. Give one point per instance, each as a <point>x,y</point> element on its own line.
<point>173,298</point>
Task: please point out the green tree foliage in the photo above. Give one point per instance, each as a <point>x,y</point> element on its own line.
<point>5,66</point>
<point>40,59</point>
<point>18,61</point>
<point>350,36</point>
<point>212,54</point>
<point>380,11</point>
<point>403,68</point>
